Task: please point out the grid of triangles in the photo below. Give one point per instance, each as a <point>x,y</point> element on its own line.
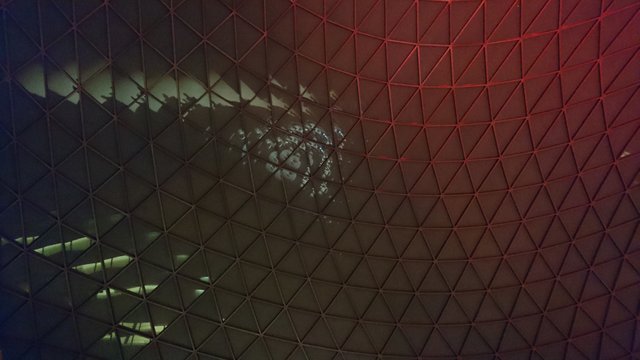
<point>337,179</point>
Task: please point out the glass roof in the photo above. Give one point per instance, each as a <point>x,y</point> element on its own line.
<point>306,179</point>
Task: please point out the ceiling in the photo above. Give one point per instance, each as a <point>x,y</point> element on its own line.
<point>333,179</point>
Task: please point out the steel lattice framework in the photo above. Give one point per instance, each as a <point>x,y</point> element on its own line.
<point>305,179</point>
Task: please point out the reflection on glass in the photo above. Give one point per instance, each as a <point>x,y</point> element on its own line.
<point>114,262</point>
<point>26,240</point>
<point>80,244</point>
<point>298,150</point>
<point>103,294</point>
<point>127,340</point>
<point>295,148</point>
<point>144,326</point>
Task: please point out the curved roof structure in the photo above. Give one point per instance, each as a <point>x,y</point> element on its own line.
<point>332,179</point>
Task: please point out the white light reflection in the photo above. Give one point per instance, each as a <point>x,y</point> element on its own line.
<point>104,294</point>
<point>114,262</point>
<point>127,340</point>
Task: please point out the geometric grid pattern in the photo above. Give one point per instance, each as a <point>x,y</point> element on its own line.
<point>342,179</point>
